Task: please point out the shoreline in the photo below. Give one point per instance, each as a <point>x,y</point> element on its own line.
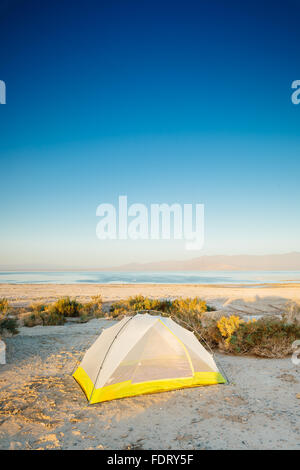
<point>121,284</point>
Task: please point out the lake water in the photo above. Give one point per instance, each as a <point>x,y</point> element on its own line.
<point>184,277</point>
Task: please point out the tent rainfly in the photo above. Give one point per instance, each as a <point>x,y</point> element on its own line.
<point>144,354</point>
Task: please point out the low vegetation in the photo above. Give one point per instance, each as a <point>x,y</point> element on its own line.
<point>43,318</point>
<point>133,304</point>
<point>66,307</point>
<point>57,312</point>
<point>8,324</point>
<point>266,337</point>
<point>229,325</point>
<point>92,309</point>
<point>180,307</point>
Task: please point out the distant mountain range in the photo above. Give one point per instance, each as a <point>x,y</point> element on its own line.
<point>281,262</point>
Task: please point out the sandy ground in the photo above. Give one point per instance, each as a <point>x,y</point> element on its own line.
<point>254,300</point>
<point>42,407</point>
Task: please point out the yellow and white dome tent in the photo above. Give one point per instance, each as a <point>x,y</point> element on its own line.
<point>144,354</point>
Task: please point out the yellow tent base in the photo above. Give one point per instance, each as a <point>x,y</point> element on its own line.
<point>129,389</point>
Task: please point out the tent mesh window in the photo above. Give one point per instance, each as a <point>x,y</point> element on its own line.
<point>157,355</point>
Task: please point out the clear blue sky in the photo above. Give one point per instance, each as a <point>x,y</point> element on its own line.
<point>182,101</point>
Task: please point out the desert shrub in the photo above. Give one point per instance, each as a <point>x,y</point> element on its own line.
<point>44,318</point>
<point>65,307</point>
<point>139,302</point>
<point>97,302</point>
<point>32,319</point>
<point>180,307</point>
<point>194,305</point>
<point>265,338</point>
<point>228,325</point>
<point>4,307</point>
<point>49,317</point>
<point>37,307</point>
<point>210,334</point>
<point>190,309</point>
<point>55,313</point>
<point>92,309</point>
<point>8,325</point>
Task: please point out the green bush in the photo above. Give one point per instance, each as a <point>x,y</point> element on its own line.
<point>265,338</point>
<point>44,318</point>
<point>271,338</point>
<point>55,313</point>
<point>65,307</point>
<point>9,324</point>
